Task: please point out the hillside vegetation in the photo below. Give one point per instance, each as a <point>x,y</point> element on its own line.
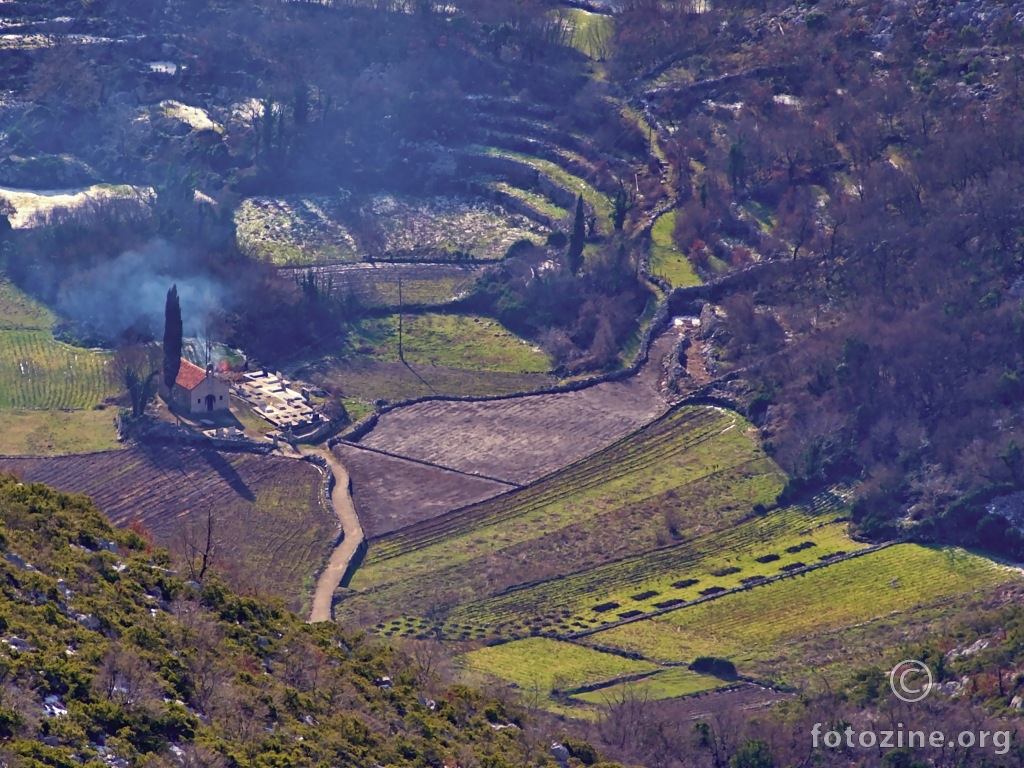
<point>110,659</point>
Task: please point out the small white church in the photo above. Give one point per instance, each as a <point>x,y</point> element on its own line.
<point>198,391</point>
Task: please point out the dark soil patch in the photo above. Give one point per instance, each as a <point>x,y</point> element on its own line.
<point>391,493</point>
<point>726,571</point>
<point>711,591</point>
<point>685,583</point>
<point>630,614</point>
<point>800,547</point>
<point>645,595</point>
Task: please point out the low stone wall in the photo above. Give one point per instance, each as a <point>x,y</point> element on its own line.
<point>163,432</point>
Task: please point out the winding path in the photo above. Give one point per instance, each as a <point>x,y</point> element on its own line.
<point>352,539</point>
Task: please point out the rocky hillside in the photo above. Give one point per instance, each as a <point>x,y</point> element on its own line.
<point>108,658</point>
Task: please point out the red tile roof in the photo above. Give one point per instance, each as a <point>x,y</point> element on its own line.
<point>190,375</point>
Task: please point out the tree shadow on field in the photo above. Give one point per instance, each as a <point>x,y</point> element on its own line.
<point>172,461</point>
<point>228,473</point>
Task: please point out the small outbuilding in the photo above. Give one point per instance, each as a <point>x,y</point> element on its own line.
<point>197,390</point>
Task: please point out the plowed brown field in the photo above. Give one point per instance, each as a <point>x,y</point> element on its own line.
<point>392,493</point>
<point>271,531</point>
<point>519,440</point>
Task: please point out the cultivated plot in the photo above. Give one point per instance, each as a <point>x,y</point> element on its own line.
<point>36,371</point>
<point>313,229</point>
<point>697,462</point>
<point>301,229</point>
<point>392,493</point>
<point>522,439</point>
<point>271,531</point>
<point>448,340</point>
<point>667,261</point>
<point>545,664</point>
<point>370,379</point>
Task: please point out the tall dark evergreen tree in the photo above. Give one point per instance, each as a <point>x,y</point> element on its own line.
<point>172,337</point>
<point>575,255</point>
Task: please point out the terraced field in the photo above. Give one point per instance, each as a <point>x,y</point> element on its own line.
<point>49,433</point>
<point>662,580</point>
<point>697,463</point>
<point>36,371</point>
<point>818,623</point>
<point>536,202</point>
<point>302,230</point>
<point>368,379</point>
<point>747,624</point>
<point>664,684</point>
<point>454,341</point>
<point>271,531</point>
<point>376,284</point>
<point>567,666</point>
<point>667,261</point>
<point>564,179</point>
<point>296,230</point>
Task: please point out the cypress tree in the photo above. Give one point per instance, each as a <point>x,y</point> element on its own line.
<point>575,256</point>
<point>172,336</point>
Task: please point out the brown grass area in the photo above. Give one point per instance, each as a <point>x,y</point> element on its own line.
<point>392,493</point>
<point>271,532</point>
<point>523,439</point>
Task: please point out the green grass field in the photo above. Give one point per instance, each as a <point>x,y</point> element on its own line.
<point>48,433</point>
<point>18,312</point>
<point>666,684</point>
<point>38,372</point>
<point>738,626</point>
<point>667,261</point>
<point>457,341</point>
<point>544,664</point>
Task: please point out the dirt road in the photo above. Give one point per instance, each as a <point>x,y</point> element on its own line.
<point>351,540</point>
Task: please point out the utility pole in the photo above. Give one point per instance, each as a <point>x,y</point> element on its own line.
<point>401,353</point>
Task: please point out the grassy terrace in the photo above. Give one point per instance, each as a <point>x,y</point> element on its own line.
<point>565,666</point>
<point>748,624</point>
<point>667,261</point>
<point>539,203</point>
<point>665,684</point>
<point>457,341</point>
<point>600,202</point>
